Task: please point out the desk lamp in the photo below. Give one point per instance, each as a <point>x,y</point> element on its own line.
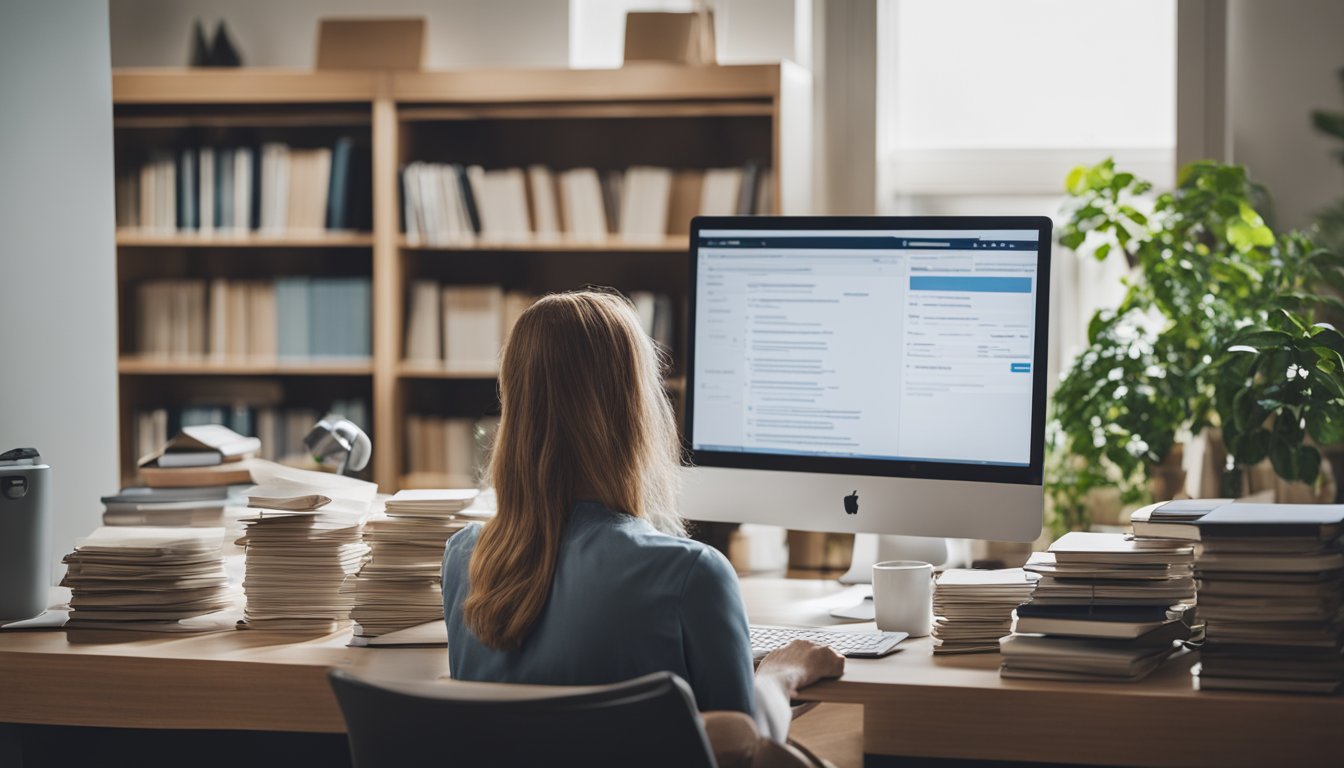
<point>337,439</point>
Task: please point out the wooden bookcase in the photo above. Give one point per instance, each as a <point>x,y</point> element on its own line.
<point>681,117</point>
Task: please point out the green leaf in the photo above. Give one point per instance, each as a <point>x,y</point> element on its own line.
<point>1283,455</point>
<point>1308,464</point>
<point>1072,240</point>
<point>1249,215</point>
<point>1324,427</point>
<point>1102,251</point>
<point>1240,236</point>
<point>1327,337</point>
<point>1076,182</point>
<point>1254,447</point>
<point>1264,339</point>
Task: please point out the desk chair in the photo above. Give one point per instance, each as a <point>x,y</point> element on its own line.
<point>648,721</point>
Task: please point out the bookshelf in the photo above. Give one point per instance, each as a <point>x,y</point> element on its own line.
<point>691,118</point>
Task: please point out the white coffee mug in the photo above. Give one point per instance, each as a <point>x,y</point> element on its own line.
<point>903,596</point>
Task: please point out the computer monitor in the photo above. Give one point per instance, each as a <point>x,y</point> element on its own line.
<point>868,374</point>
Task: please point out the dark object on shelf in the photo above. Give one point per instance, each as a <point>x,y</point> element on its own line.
<point>222,51</point>
<point>200,47</point>
<point>216,52</point>
<point>371,43</point>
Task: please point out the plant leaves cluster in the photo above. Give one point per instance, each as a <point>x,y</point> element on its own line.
<point>1217,327</point>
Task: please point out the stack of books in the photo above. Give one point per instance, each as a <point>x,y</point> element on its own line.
<point>398,587</point>
<point>303,544</point>
<point>448,204</point>
<point>461,327</point>
<point>1106,607</point>
<point>974,608</point>
<point>272,187</point>
<point>168,507</point>
<point>147,578</point>
<point>288,318</point>
<point>1271,594</point>
<point>447,450</point>
<point>204,455</point>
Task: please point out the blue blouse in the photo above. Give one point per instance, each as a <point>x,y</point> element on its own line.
<point>626,600</point>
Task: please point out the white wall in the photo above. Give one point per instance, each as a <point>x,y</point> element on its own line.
<point>58,382</point>
<point>1283,60</point>
<point>462,34</point>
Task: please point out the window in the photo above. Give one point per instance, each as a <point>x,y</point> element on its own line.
<point>984,106</point>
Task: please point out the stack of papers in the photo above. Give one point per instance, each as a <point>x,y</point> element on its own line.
<point>973,609</point>
<point>1271,592</point>
<point>299,561</point>
<point>146,578</point>
<point>398,587</point>
<point>209,507</point>
<point>1106,607</point>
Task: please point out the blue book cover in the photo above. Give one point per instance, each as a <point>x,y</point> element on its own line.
<point>224,189</point>
<point>188,214</point>
<point>362,341</point>
<point>320,316</point>
<point>338,198</point>
<point>291,308</point>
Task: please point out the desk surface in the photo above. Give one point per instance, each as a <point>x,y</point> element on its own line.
<point>915,704</point>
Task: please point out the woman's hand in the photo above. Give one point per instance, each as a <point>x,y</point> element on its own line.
<point>800,664</point>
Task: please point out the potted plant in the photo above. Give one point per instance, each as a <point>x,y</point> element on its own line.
<point>1217,329</point>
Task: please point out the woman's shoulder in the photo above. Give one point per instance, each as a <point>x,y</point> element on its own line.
<point>462,543</point>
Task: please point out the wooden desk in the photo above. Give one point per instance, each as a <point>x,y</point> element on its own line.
<point>914,704</point>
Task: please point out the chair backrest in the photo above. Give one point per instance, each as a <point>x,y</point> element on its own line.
<point>648,721</point>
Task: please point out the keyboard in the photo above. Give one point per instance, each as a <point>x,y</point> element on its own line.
<point>858,645</point>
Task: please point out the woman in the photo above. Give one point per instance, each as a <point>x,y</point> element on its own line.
<point>584,576</point>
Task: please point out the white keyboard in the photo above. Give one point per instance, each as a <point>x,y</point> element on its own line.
<point>859,645</point>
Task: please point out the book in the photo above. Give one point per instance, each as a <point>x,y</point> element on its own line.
<point>423,325</point>
<point>338,191</point>
<point>541,193</point>
<point>230,473</point>
<point>472,328</point>
<point>646,194</point>
<point>1143,633</point>
<point>1088,547</point>
<point>202,446</point>
<point>208,209</point>
<point>581,204</point>
<point>720,190</point>
<point>1173,519</point>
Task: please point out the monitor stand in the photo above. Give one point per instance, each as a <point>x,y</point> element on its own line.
<point>871,548</point>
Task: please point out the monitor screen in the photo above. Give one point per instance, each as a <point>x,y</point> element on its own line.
<point>876,348</point>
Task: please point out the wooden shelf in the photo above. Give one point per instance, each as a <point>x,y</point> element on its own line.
<point>323,118</point>
<point>611,244</point>
<point>158,366</point>
<point>415,370</point>
<point>614,111</point>
<point>141,238</point>
<point>635,83</point>
<point>242,86</point>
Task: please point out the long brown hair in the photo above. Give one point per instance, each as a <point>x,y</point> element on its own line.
<point>583,416</point>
